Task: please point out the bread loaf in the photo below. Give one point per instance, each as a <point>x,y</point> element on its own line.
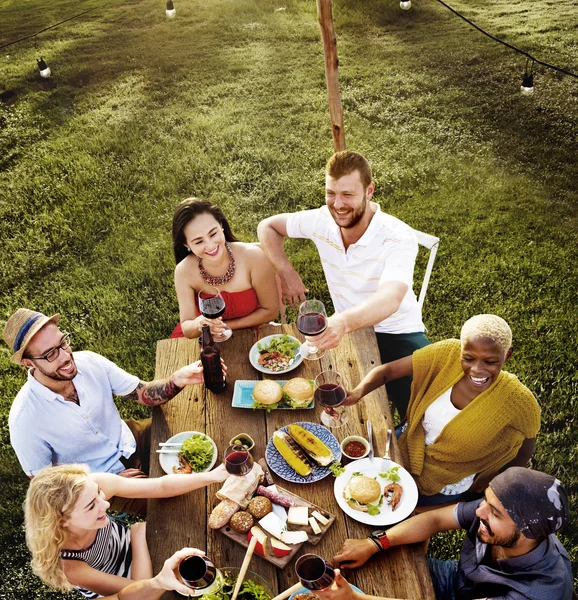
<point>222,513</point>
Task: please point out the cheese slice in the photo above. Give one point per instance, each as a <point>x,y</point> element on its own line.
<point>272,524</point>
<point>323,520</point>
<point>298,515</point>
<point>314,525</point>
<point>294,537</point>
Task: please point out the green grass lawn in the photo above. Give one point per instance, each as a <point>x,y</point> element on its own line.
<point>228,102</point>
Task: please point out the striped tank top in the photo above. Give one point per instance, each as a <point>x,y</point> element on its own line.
<point>110,553</point>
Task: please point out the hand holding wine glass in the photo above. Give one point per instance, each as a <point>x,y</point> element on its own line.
<point>199,573</point>
<point>212,306</point>
<point>311,321</point>
<point>314,572</point>
<point>330,393</point>
<point>238,460</point>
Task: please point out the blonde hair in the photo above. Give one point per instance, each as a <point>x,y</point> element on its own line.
<point>488,326</point>
<point>50,499</point>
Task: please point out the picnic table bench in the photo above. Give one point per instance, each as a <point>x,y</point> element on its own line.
<point>174,523</point>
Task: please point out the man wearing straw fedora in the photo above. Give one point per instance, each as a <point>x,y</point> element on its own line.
<point>65,412</point>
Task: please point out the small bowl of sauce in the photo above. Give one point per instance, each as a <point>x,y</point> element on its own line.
<point>355,447</point>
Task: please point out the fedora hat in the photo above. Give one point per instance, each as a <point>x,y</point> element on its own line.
<point>21,327</point>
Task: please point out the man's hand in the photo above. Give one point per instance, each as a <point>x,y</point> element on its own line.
<point>339,590</point>
<point>137,473</point>
<point>191,374</point>
<point>168,579</point>
<point>292,288</point>
<point>355,553</point>
<point>330,338</point>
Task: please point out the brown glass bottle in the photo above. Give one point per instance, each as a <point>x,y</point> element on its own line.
<point>211,359</point>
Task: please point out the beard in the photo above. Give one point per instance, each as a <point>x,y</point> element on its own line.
<point>55,375</point>
<point>353,217</point>
<point>505,542</point>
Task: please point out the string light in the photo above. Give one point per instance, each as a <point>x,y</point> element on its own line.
<point>171,12</point>
<point>43,68</point>
<point>405,4</point>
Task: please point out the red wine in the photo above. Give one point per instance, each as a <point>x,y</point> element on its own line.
<point>330,394</point>
<point>197,572</point>
<point>314,572</point>
<point>312,323</point>
<point>212,308</point>
<point>239,462</point>
<point>211,359</point>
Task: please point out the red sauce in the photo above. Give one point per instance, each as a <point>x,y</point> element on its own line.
<point>354,449</point>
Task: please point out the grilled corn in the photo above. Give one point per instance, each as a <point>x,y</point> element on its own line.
<point>312,445</point>
<point>292,453</point>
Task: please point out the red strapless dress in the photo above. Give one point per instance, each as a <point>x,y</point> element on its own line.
<point>237,304</point>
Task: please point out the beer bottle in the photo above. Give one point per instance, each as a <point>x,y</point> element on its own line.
<point>211,359</point>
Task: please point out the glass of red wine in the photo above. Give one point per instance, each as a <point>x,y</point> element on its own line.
<point>311,321</point>
<point>212,306</point>
<point>315,573</point>
<point>238,460</point>
<point>199,573</point>
<point>330,393</point>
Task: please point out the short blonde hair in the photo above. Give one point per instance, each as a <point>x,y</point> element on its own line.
<point>488,326</point>
<point>50,499</point>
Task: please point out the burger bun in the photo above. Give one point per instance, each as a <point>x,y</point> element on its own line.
<point>267,392</point>
<point>298,392</point>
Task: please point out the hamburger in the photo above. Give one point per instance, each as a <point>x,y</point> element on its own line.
<point>363,493</point>
<point>298,392</point>
<point>267,394</point>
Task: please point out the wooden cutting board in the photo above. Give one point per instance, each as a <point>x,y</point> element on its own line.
<point>242,538</point>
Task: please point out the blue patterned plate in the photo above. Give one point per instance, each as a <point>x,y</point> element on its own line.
<point>243,395</point>
<point>280,467</point>
<point>306,591</point>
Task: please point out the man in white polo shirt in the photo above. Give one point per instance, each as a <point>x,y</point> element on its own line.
<point>65,412</point>
<point>368,258</point>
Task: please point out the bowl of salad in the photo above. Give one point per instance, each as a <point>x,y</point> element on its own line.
<point>254,586</point>
<point>276,354</point>
<point>188,452</point>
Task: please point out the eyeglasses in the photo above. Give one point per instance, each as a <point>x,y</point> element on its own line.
<point>52,355</point>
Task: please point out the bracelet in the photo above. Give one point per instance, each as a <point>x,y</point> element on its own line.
<point>377,544</point>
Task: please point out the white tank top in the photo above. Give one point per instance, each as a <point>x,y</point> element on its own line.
<point>436,417</point>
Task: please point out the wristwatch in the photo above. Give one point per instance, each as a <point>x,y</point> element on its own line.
<point>380,539</point>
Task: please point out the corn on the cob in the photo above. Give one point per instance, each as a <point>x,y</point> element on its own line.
<point>312,445</point>
<point>292,453</point>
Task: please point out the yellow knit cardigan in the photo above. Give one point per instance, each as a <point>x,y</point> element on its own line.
<point>481,439</point>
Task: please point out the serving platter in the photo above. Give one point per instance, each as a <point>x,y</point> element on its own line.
<point>306,591</point>
<point>372,467</point>
<point>170,461</point>
<point>314,539</point>
<point>254,355</point>
<point>243,395</point>
<point>280,467</point>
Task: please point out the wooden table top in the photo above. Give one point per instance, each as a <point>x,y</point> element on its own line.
<point>174,523</point>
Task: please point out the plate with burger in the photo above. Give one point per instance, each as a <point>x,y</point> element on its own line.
<point>293,394</point>
<point>376,491</point>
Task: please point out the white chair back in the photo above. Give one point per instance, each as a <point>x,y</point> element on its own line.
<point>431,242</point>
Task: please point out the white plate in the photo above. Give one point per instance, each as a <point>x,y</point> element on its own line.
<point>306,591</point>
<point>168,461</point>
<point>371,468</point>
<point>254,356</point>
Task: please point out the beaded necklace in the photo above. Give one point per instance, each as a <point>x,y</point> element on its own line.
<point>219,280</point>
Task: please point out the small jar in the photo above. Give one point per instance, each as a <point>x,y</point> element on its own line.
<point>243,438</point>
<point>355,447</point>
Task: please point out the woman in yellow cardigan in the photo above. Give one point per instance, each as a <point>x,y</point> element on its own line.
<point>467,419</point>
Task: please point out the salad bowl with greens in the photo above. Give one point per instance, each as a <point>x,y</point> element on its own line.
<point>254,586</point>
<point>195,452</point>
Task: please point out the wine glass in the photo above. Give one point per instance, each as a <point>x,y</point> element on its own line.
<point>200,574</point>
<point>330,393</point>
<point>311,321</point>
<point>238,460</point>
<point>315,573</point>
<point>212,306</point>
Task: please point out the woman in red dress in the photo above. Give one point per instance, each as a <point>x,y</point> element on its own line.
<point>208,255</point>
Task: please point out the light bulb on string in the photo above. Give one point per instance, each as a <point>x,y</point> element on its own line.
<point>171,12</point>
<point>527,87</point>
<point>43,68</point>
<point>405,4</point>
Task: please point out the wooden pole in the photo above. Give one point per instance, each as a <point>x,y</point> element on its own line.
<point>325,15</point>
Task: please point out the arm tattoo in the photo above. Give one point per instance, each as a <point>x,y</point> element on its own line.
<point>135,394</point>
<point>159,392</point>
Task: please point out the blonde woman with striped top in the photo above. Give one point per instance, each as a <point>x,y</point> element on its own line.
<point>73,541</point>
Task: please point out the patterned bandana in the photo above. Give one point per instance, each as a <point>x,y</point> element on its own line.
<point>536,502</point>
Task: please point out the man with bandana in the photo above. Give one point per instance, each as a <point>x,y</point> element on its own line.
<point>368,258</point>
<point>510,550</point>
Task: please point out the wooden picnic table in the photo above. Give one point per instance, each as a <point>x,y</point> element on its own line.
<point>174,523</point>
